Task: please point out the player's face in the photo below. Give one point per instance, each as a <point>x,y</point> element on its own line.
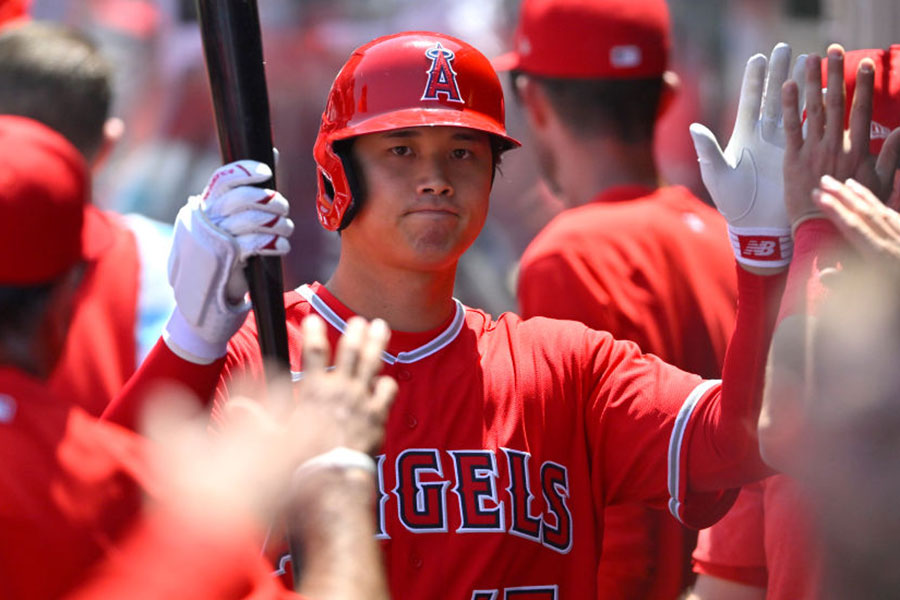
<point>426,195</point>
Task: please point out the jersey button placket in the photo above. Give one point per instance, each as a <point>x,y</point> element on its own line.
<point>403,374</point>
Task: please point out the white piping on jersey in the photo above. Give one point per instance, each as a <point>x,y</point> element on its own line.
<point>298,375</point>
<point>676,440</point>
<point>437,343</point>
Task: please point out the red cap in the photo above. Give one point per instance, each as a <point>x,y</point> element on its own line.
<point>44,185</point>
<point>590,39</point>
<point>886,96</point>
<point>13,10</point>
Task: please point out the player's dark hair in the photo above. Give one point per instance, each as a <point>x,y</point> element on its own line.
<point>57,76</point>
<point>626,108</point>
<point>22,309</point>
<point>344,150</point>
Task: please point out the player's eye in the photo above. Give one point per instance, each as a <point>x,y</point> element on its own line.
<point>401,150</point>
<point>461,153</point>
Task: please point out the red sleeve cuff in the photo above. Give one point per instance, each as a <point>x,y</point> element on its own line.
<point>754,576</point>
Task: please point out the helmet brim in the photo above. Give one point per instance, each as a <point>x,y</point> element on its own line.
<point>427,117</point>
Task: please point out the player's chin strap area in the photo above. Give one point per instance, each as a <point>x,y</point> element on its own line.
<point>427,349</point>
<point>676,442</point>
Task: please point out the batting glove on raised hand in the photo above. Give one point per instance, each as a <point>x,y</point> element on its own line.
<point>746,181</point>
<point>215,233</point>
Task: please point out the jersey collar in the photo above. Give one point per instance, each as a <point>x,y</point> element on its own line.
<point>328,308</point>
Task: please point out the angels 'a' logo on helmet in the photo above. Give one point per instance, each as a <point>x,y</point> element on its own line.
<point>441,76</point>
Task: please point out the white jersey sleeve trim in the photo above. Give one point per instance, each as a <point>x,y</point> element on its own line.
<point>434,345</point>
<point>676,440</point>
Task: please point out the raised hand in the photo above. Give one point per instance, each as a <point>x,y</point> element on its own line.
<point>827,148</point>
<point>745,180</point>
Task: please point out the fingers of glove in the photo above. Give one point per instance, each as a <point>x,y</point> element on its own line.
<point>793,128</point>
<point>243,198</point>
<point>779,66</point>
<point>709,153</point>
<point>815,111</point>
<point>255,221</point>
<point>262,244</point>
<point>834,99</point>
<point>888,161</point>
<point>238,173</point>
<point>799,76</point>
<point>751,96</point>
<point>861,111</point>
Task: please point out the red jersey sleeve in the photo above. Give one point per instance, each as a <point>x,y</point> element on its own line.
<point>734,549</point>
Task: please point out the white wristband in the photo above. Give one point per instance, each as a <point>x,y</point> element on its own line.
<point>340,457</point>
<point>762,247</point>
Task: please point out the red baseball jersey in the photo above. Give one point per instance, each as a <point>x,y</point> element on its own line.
<point>766,540</point>
<point>121,307</point>
<point>651,266</point>
<point>509,437</point>
<point>654,267</point>
<point>68,488</point>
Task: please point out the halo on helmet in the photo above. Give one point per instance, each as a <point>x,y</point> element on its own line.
<point>413,79</point>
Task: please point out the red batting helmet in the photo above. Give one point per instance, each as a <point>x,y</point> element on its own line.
<point>409,79</point>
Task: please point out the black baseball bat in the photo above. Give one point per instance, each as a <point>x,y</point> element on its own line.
<point>232,44</point>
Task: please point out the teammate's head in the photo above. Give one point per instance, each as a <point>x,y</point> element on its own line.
<point>58,77</point>
<point>401,81</point>
<point>598,65</point>
<point>44,185</point>
<point>886,94</point>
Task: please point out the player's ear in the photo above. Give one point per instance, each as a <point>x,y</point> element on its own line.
<point>671,85</point>
<point>113,130</point>
<point>534,101</point>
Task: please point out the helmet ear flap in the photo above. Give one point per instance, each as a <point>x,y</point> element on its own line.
<point>333,195</point>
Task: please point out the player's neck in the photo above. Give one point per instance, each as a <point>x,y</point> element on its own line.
<point>408,300</point>
<point>596,165</point>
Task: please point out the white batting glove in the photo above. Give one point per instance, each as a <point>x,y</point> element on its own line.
<point>746,181</point>
<point>215,233</point>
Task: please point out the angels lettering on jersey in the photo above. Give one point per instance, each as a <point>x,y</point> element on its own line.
<point>462,492</point>
<point>441,76</point>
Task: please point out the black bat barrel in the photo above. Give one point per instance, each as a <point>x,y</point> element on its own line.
<point>232,43</point>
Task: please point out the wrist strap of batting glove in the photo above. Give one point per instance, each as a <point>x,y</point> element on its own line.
<point>762,246</point>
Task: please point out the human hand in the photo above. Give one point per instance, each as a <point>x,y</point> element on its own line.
<point>215,233</point>
<point>745,180</point>
<point>246,468</point>
<point>867,224</point>
<point>827,149</point>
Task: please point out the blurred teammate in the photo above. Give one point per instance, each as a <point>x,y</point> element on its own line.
<point>508,437</point>
<point>58,77</point>
<point>768,545</point>
<point>646,262</point>
<point>72,487</point>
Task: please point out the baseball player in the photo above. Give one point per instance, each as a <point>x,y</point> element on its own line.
<point>768,546</point>
<point>508,438</point>
<point>645,262</point>
<point>58,77</point>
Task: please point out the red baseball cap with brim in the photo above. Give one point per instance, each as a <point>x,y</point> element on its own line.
<point>886,95</point>
<point>590,39</point>
<point>44,186</point>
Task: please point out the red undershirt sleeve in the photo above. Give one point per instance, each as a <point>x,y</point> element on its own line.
<point>161,368</point>
<point>714,449</point>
